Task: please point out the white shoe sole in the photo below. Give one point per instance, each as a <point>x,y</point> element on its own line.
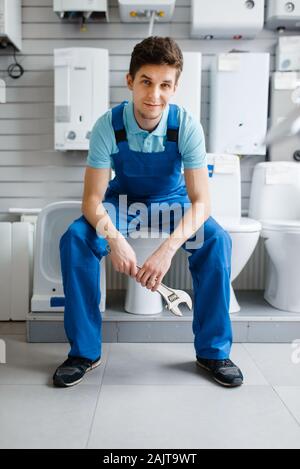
<point>94,365</point>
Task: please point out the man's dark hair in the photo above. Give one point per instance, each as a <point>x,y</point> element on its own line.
<point>157,51</point>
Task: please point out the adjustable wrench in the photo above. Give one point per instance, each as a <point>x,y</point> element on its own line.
<point>173,298</point>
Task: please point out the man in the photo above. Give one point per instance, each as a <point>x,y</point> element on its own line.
<point>146,142</point>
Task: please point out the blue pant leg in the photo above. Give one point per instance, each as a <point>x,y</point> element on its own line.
<point>80,253</point>
<point>210,266</point>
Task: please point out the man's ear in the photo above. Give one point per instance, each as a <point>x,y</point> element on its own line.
<point>129,81</point>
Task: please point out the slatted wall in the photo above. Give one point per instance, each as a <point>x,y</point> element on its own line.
<point>32,174</point>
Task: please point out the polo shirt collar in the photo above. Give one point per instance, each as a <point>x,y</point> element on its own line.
<point>133,127</point>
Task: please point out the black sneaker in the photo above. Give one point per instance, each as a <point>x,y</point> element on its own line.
<point>72,371</point>
<point>224,371</point>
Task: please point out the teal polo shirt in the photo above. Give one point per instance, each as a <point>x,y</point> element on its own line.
<point>191,140</point>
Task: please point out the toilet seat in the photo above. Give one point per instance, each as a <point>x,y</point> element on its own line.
<point>285,226</point>
<point>239,225</point>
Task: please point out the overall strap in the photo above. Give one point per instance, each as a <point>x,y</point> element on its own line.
<point>117,122</point>
<point>120,132</point>
<point>173,124</point>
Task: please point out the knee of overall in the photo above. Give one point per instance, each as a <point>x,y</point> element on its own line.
<point>79,229</point>
<point>224,246</point>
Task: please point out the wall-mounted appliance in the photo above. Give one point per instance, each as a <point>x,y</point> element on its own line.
<point>81,84</point>
<point>11,23</point>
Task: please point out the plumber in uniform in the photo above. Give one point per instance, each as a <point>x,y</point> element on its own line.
<point>147,141</point>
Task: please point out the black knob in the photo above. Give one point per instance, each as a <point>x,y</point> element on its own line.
<point>296,155</point>
<point>71,135</point>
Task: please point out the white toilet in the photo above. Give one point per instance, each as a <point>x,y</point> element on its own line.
<point>138,299</point>
<point>275,201</point>
<point>225,191</point>
<point>52,222</point>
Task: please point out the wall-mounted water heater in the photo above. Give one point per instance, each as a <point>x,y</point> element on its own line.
<point>81,83</point>
<point>89,10</point>
<point>239,103</point>
<point>141,10</point>
<point>188,93</point>
<point>10,23</point>
<point>283,14</point>
<point>285,95</point>
<point>219,19</point>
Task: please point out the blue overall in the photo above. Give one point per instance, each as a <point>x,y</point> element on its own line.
<point>148,178</point>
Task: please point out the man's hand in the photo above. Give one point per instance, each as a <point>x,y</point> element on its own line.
<point>155,267</point>
<point>123,257</point>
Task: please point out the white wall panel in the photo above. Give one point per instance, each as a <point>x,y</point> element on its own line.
<point>32,174</point>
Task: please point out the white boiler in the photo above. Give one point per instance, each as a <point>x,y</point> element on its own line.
<point>239,86</point>
<point>188,93</point>
<point>10,23</point>
<point>285,88</point>
<point>283,14</point>
<point>81,82</point>
<point>230,19</point>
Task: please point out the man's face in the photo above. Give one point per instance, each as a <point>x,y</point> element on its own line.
<point>152,88</point>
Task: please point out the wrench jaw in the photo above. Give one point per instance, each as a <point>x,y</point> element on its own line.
<point>174,309</point>
<point>185,298</point>
<point>172,303</point>
<point>173,298</point>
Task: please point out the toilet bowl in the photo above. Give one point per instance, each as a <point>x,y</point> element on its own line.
<point>225,192</point>
<point>275,200</point>
<point>53,220</point>
<point>138,299</point>
<point>244,233</point>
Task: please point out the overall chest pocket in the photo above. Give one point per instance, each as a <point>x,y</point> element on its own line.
<point>145,165</point>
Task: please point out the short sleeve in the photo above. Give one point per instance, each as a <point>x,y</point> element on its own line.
<point>191,142</point>
<point>102,142</point>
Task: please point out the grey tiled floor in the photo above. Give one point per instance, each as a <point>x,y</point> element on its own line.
<point>147,396</point>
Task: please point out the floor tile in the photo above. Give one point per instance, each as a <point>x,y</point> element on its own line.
<point>168,363</point>
<point>28,363</point>
<point>290,397</point>
<point>279,363</point>
<point>163,416</point>
<point>34,416</point>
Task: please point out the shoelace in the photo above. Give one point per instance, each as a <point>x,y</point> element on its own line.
<point>222,363</point>
<point>75,361</point>
<point>226,362</point>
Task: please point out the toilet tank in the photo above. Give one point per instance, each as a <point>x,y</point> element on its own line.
<point>224,185</point>
<point>275,191</point>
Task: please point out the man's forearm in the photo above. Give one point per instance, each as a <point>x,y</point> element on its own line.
<point>189,224</point>
<point>97,216</point>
